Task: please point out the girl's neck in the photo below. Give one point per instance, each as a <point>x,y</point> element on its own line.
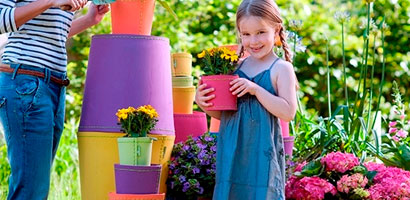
<point>269,58</point>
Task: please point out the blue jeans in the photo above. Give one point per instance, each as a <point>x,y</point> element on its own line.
<point>32,120</point>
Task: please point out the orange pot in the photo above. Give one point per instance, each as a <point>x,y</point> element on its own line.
<point>115,196</point>
<point>183,99</point>
<point>214,127</point>
<point>181,64</point>
<point>132,16</point>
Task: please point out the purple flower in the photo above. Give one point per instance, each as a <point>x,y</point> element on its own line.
<point>201,146</point>
<point>201,190</point>
<point>213,166</point>
<point>182,178</point>
<point>186,147</point>
<point>196,170</point>
<point>190,155</point>
<point>202,154</point>
<point>172,184</point>
<point>208,138</point>
<point>213,148</point>
<point>186,187</point>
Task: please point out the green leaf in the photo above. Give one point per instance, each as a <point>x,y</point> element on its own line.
<point>166,6</point>
<point>312,168</point>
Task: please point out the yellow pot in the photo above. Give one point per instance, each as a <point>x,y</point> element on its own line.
<point>183,99</point>
<point>181,64</point>
<point>161,154</point>
<point>98,153</point>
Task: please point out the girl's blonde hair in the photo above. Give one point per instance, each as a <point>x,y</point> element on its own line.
<point>269,11</point>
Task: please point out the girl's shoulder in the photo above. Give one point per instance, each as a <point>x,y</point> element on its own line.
<point>282,67</point>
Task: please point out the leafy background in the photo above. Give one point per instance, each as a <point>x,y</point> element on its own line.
<point>204,24</point>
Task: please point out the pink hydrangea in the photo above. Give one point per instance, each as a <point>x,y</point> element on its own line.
<point>339,162</point>
<point>348,183</point>
<point>300,166</point>
<point>308,188</point>
<point>389,183</point>
<point>402,133</point>
<point>392,130</point>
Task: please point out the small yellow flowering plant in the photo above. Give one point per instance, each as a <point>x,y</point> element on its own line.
<point>137,122</point>
<point>220,60</point>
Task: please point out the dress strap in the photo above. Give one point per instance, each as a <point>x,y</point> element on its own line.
<point>240,65</point>
<point>276,60</point>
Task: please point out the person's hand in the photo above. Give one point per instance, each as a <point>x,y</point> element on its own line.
<point>69,5</point>
<point>96,12</point>
<point>201,96</point>
<point>241,86</point>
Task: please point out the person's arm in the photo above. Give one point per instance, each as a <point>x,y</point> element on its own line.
<point>201,99</point>
<point>94,15</point>
<point>12,17</point>
<point>282,106</point>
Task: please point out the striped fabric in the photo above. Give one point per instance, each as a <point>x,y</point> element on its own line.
<point>39,42</point>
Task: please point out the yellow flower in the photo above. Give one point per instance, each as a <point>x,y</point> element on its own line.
<point>122,114</point>
<point>234,58</point>
<point>149,110</point>
<point>202,54</point>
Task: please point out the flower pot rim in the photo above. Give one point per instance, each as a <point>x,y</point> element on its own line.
<point>140,139</point>
<point>129,36</point>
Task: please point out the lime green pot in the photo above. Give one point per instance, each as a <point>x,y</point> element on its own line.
<point>135,150</point>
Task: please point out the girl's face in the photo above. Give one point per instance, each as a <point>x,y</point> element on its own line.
<point>258,37</point>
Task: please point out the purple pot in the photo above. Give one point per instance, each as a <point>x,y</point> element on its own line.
<point>131,179</point>
<point>288,143</point>
<point>123,71</point>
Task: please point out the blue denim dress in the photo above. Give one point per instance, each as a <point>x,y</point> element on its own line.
<point>250,163</point>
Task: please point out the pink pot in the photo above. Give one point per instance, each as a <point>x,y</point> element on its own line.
<point>285,128</point>
<point>189,124</point>
<point>224,100</point>
<point>288,145</point>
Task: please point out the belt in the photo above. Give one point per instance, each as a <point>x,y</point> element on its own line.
<point>58,81</point>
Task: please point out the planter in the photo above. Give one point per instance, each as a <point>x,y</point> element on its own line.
<point>285,128</point>
<point>183,99</point>
<point>97,152</point>
<point>181,64</point>
<point>115,196</point>
<point>161,154</point>
<point>182,81</point>
<point>135,151</point>
<point>189,125</point>
<point>288,145</point>
<point>132,16</point>
<point>137,179</point>
<point>224,100</point>
<point>127,70</point>
<point>214,126</point>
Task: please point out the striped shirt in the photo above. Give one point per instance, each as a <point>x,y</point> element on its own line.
<point>39,42</point>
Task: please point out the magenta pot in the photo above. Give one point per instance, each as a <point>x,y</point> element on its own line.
<point>288,143</point>
<point>123,71</point>
<point>194,125</point>
<point>224,100</point>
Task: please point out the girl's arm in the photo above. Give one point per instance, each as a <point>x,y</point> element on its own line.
<point>282,106</point>
<point>201,99</point>
<point>94,15</point>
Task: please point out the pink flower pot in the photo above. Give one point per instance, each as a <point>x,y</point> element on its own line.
<point>189,124</point>
<point>285,128</point>
<point>288,145</point>
<point>224,100</point>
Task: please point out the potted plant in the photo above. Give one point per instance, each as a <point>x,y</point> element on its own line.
<point>219,64</point>
<point>135,147</point>
<point>135,16</point>
<point>192,168</point>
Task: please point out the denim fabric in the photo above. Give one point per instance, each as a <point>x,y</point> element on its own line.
<point>32,120</point>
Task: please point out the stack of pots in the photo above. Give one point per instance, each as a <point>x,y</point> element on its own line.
<point>127,68</point>
<point>186,121</point>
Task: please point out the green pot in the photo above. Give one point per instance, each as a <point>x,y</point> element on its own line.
<point>182,81</point>
<point>135,151</point>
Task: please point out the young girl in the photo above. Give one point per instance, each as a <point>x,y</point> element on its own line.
<point>250,156</point>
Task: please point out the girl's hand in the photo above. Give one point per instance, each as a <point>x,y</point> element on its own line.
<point>201,96</point>
<point>241,86</point>
<point>96,12</point>
<point>69,5</point>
